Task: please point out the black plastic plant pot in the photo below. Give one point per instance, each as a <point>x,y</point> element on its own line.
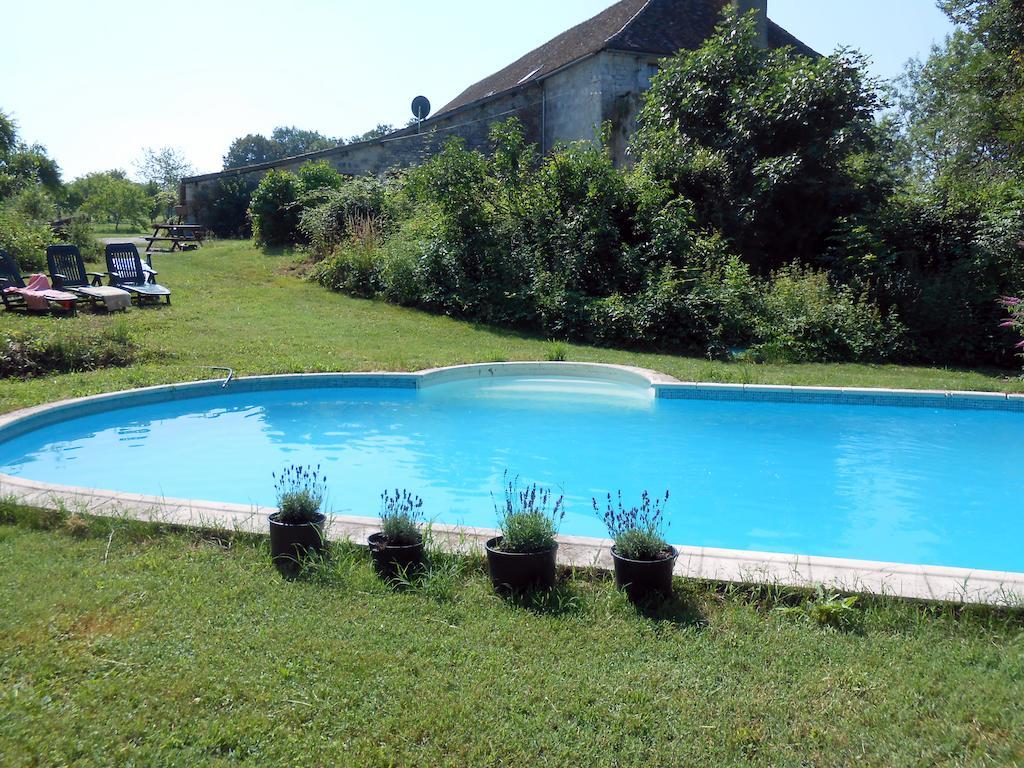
<point>645,580</point>
<point>518,572</point>
<point>392,562</point>
<point>291,543</point>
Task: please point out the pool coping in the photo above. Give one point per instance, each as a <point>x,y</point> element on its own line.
<point>938,583</point>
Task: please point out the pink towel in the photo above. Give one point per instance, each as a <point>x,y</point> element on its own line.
<point>39,293</point>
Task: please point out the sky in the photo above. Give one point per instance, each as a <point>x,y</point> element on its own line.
<point>96,82</point>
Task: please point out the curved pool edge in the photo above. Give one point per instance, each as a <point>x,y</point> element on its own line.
<point>909,581</point>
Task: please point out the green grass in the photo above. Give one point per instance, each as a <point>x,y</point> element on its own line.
<point>235,306</point>
<point>107,229</point>
<point>144,649</point>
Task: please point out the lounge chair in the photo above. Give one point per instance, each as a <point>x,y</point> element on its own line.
<point>37,296</point>
<point>124,266</point>
<point>67,270</point>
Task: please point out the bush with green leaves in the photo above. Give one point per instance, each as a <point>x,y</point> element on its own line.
<point>27,353</point>
<point>638,531</point>
<point>401,517</point>
<point>342,209</point>
<point>805,318</point>
<point>763,141</point>
<point>224,205</point>
<point>24,239</point>
<point>529,518</point>
<point>274,210</point>
<point>301,491</point>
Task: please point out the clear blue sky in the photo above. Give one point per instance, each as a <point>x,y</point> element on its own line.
<point>97,81</point>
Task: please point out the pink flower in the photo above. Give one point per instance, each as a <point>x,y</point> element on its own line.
<point>1009,301</point>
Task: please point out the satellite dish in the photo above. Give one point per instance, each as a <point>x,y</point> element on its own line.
<point>421,107</point>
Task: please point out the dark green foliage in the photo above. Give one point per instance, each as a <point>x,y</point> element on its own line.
<point>401,516</point>
<point>765,142</point>
<point>29,353</point>
<point>638,531</point>
<point>225,205</point>
<point>528,517</point>
<point>24,239</point>
<point>274,210</point>
<point>255,148</point>
<point>300,493</point>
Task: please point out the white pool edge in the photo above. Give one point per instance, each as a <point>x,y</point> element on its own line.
<point>936,583</point>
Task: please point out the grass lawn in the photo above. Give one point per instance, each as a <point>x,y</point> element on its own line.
<point>107,229</point>
<point>125,645</point>
<point>235,306</point>
<point>144,649</point>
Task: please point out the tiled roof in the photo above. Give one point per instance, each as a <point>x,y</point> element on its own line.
<point>660,27</point>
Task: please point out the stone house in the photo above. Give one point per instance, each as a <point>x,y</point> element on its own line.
<point>592,75</point>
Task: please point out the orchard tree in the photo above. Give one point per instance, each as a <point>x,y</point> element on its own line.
<point>164,167</point>
<point>112,197</point>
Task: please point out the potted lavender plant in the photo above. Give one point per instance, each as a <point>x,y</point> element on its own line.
<point>297,528</point>
<point>397,550</point>
<point>523,556</point>
<point>643,559</point>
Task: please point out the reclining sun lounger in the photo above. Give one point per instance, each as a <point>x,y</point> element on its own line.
<point>67,270</point>
<point>37,296</point>
<point>124,265</point>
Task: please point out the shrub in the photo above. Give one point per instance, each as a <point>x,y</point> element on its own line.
<point>274,210</point>
<point>353,268</point>
<point>639,532</point>
<point>805,318</point>
<point>78,232</point>
<point>300,493</point>
<point>24,239</point>
<point>400,518</point>
<point>225,205</point>
<point>528,519</point>
<point>30,353</point>
<point>341,209</point>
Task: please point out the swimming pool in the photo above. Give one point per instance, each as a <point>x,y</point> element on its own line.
<point>814,474</point>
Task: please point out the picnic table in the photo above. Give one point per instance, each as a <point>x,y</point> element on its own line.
<point>181,237</point>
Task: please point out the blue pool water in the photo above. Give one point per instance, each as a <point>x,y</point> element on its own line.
<point>909,485</point>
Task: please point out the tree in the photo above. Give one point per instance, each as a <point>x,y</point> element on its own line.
<point>285,141</point>
<point>382,129</point>
<point>113,197</point>
<point>164,167</point>
<point>963,108</point>
<point>251,149</point>
<point>292,141</point>
<point>23,165</point>
<point>765,142</point>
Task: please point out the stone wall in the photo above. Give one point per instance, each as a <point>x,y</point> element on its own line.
<point>571,105</point>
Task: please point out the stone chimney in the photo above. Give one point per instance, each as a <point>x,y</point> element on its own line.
<point>743,7</point>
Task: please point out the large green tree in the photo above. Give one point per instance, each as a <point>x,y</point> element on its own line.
<point>771,146</point>
<point>284,141</point>
<point>24,165</point>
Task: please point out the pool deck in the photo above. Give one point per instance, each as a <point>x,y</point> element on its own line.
<point>908,581</point>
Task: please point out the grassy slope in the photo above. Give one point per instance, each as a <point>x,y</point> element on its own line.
<point>172,651</point>
<point>234,306</point>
